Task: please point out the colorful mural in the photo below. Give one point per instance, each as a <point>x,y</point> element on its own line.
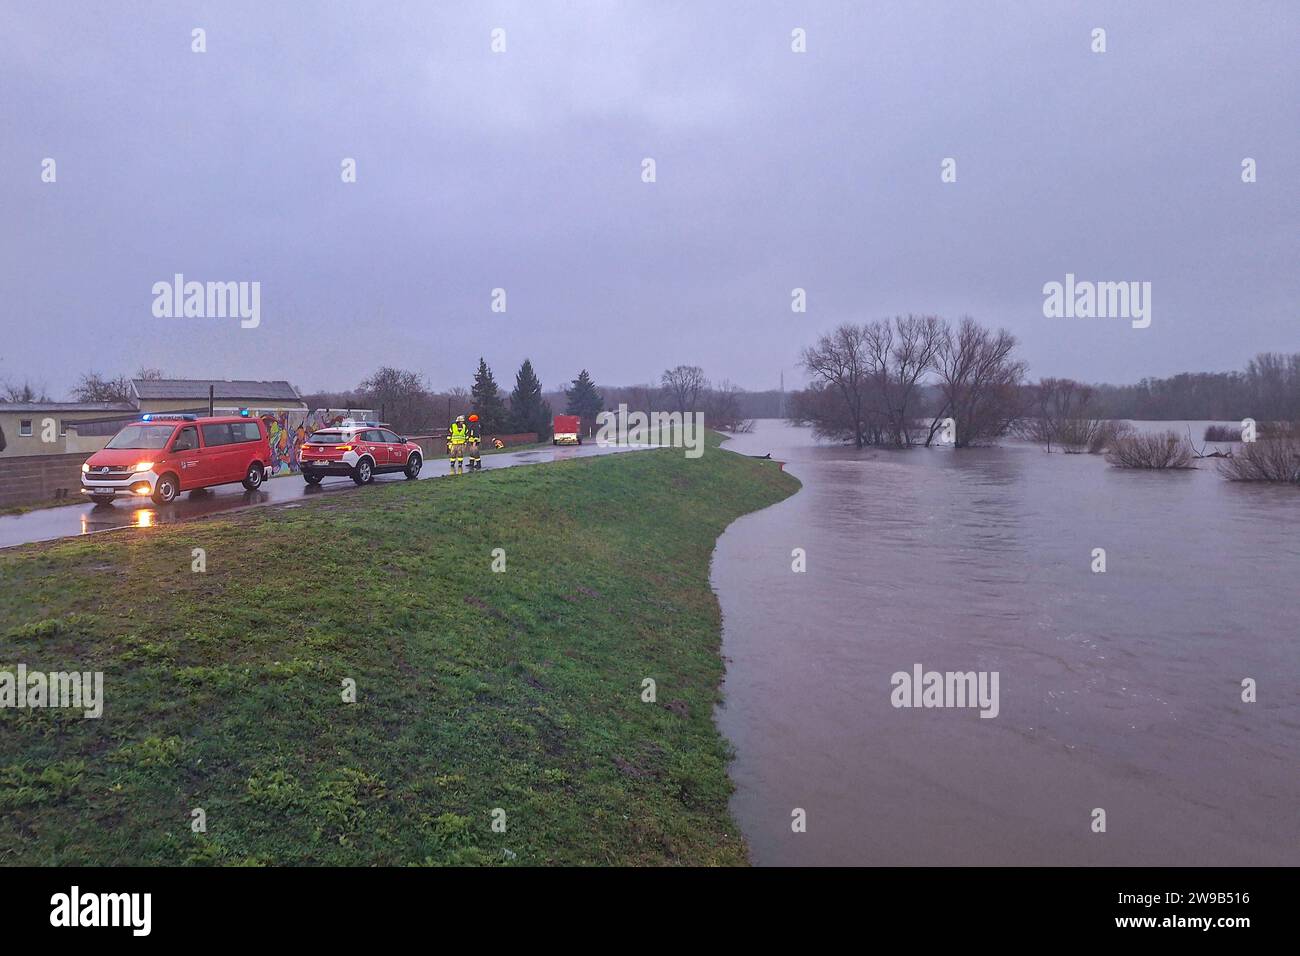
<point>289,429</point>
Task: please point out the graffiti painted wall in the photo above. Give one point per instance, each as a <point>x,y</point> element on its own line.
<point>289,429</point>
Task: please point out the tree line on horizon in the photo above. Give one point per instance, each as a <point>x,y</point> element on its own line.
<point>405,400</point>
<point>1267,389</point>
<point>409,404</point>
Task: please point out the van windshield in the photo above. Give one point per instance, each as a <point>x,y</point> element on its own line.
<point>141,436</point>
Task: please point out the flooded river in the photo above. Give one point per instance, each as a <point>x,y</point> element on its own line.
<point>1118,691</point>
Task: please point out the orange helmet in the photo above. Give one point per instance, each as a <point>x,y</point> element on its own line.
<point>473,418</point>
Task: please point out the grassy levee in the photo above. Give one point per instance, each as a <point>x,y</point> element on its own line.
<point>223,690</point>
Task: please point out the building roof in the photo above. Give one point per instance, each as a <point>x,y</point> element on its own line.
<point>225,390</point>
<point>33,407</point>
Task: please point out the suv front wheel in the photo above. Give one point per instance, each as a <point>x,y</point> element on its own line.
<point>413,465</point>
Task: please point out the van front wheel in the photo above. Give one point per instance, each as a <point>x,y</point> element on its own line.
<point>253,480</point>
<point>165,492</point>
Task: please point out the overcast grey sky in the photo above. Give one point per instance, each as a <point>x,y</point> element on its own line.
<point>522,170</point>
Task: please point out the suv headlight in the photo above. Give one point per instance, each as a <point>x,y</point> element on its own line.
<point>143,465</point>
<point>85,467</point>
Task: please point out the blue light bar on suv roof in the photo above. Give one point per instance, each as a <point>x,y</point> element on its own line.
<point>179,417</point>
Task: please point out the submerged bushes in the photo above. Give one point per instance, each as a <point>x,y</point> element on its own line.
<point>1272,459</point>
<point>1270,430</point>
<point>1222,433</point>
<point>1105,435</point>
<point>1265,460</point>
<point>1152,452</point>
<point>1059,413</point>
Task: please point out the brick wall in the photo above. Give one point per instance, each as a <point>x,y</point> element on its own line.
<point>32,479</point>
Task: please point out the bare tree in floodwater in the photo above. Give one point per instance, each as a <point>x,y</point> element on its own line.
<point>899,355</point>
<point>684,383</point>
<point>980,383</point>
<point>868,380</point>
<point>1059,413</point>
<point>722,407</point>
<point>837,404</point>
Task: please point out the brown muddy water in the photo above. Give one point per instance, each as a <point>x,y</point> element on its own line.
<point>1119,690</point>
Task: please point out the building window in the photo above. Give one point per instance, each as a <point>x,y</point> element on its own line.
<point>63,428</point>
<point>25,427</point>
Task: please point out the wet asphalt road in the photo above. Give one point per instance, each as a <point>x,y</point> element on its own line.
<point>128,513</point>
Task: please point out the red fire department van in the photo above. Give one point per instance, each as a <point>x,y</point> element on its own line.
<point>163,455</point>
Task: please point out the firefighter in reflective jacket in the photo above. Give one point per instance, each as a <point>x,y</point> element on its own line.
<point>456,443</point>
<point>472,437</point>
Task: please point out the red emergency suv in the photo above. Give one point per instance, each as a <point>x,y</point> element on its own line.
<point>162,455</point>
<point>358,450</point>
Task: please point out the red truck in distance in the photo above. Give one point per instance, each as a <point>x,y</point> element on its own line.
<point>566,430</point>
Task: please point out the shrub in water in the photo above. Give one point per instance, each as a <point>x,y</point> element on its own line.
<point>1267,460</point>
<point>1156,452</point>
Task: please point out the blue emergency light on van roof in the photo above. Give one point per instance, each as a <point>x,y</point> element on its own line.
<point>180,417</point>
<point>243,412</point>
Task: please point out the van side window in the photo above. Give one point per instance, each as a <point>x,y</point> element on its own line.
<point>187,439</point>
<point>214,435</point>
<point>247,431</point>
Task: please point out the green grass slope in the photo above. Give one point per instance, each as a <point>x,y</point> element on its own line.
<point>481,696</point>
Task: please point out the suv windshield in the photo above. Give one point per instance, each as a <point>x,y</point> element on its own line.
<point>325,438</point>
<point>141,436</point>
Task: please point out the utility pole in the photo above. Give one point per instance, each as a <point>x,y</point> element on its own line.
<point>781,402</point>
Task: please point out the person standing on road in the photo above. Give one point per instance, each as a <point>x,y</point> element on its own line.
<point>456,435</point>
<point>472,437</point>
